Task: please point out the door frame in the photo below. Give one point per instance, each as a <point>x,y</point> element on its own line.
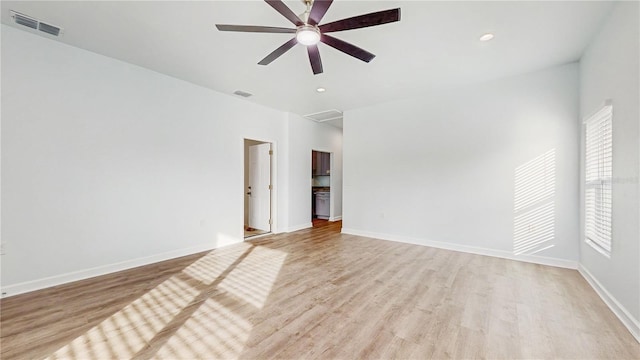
<point>274,187</point>
<point>331,183</point>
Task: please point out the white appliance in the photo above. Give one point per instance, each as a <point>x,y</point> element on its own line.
<point>322,204</point>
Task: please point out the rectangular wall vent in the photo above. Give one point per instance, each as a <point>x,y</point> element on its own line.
<point>25,20</point>
<point>35,24</point>
<point>325,115</point>
<point>49,29</point>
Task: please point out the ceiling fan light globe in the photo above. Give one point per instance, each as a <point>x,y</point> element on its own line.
<point>308,35</point>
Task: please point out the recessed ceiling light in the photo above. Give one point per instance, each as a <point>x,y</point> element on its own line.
<point>242,93</point>
<point>321,89</point>
<point>486,37</point>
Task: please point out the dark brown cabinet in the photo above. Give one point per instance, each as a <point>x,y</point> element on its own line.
<point>320,163</point>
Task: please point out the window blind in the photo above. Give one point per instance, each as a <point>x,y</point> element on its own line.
<point>598,178</point>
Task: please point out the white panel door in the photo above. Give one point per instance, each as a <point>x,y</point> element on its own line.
<point>259,181</point>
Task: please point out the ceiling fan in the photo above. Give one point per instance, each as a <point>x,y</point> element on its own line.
<point>309,31</point>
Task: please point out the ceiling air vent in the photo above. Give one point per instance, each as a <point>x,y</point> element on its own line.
<point>35,24</point>
<point>325,115</point>
<point>24,20</point>
<point>242,93</point>
<point>49,29</point>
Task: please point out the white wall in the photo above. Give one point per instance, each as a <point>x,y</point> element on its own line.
<point>107,165</point>
<point>439,169</point>
<point>306,136</point>
<point>609,69</point>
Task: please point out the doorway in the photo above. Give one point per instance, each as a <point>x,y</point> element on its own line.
<point>257,188</point>
<point>320,188</point>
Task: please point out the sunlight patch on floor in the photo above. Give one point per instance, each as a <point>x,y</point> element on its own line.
<point>182,317</point>
<point>212,266</point>
<point>128,331</point>
<point>252,279</point>
<point>214,330</point>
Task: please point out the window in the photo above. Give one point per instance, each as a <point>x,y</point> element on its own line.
<point>598,176</point>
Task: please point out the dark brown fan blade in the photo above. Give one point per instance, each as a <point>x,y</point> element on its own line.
<point>347,48</point>
<point>251,28</point>
<point>285,11</point>
<point>356,22</point>
<point>318,10</point>
<point>314,58</point>
<point>279,51</point>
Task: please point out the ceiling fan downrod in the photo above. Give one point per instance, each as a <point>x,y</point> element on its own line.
<point>305,15</point>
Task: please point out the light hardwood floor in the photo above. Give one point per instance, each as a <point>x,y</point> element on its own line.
<point>319,294</point>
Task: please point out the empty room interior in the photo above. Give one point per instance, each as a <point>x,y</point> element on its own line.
<point>320,179</point>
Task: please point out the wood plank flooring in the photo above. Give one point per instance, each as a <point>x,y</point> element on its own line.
<point>318,294</point>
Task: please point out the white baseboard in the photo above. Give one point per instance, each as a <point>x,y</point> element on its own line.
<point>47,282</point>
<point>568,264</point>
<point>299,227</point>
<point>632,324</point>
<point>335,218</point>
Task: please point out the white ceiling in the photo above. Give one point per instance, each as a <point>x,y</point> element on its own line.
<point>434,45</point>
